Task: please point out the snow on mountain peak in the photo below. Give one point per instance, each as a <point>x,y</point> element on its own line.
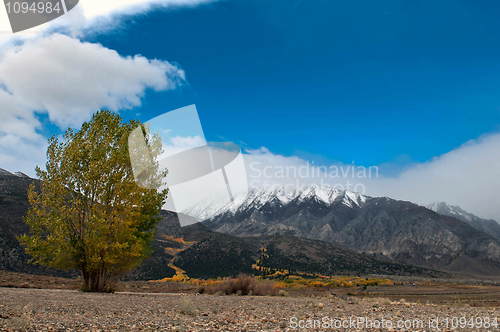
<point>450,210</point>
<point>258,197</point>
<point>5,172</point>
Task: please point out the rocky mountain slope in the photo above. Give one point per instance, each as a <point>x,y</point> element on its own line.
<point>380,226</point>
<point>196,249</point>
<point>13,206</point>
<point>212,254</point>
<point>489,226</point>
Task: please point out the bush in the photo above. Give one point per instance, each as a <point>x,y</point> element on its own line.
<point>185,307</point>
<point>243,283</point>
<point>22,321</point>
<point>264,288</point>
<point>201,289</point>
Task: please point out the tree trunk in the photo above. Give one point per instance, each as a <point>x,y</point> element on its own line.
<point>96,281</point>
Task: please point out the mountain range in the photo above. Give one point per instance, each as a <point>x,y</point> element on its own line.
<point>202,253</point>
<point>13,206</point>
<point>315,230</point>
<point>489,226</point>
<point>379,226</point>
<point>196,249</point>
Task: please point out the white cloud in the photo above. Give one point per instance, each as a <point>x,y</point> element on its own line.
<point>68,80</point>
<point>468,176</point>
<point>21,146</point>
<point>91,16</point>
<point>71,80</point>
<point>96,8</point>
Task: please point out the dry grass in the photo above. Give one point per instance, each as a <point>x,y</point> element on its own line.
<point>243,285</point>
<point>186,307</point>
<point>377,300</point>
<point>22,321</point>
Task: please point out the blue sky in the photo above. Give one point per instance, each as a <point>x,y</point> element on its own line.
<point>373,82</point>
<point>409,86</point>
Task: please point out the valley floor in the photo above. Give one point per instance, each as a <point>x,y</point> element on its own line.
<point>70,310</point>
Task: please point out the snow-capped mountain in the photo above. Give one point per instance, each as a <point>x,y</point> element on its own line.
<point>14,183</point>
<point>488,226</point>
<point>380,226</point>
<point>257,198</point>
<point>4,172</point>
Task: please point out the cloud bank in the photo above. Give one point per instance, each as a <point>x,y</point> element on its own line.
<point>70,80</point>
<point>468,176</point>
<point>48,70</point>
<point>96,8</point>
<point>93,15</point>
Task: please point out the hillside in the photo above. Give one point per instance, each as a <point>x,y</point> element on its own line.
<point>13,206</point>
<point>196,249</point>
<point>216,254</point>
<point>379,226</point>
<point>488,226</point>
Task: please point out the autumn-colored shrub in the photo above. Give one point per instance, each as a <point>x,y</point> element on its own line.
<point>264,288</point>
<point>279,285</point>
<point>244,283</point>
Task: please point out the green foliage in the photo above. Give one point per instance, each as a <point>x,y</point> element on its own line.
<point>90,214</point>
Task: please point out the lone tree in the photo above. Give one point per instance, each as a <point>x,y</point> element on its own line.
<point>90,214</point>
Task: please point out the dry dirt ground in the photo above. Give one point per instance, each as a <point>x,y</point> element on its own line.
<point>54,304</point>
<point>21,280</point>
<point>70,310</point>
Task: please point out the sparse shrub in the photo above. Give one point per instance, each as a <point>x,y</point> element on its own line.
<point>186,307</point>
<point>353,301</point>
<point>282,292</point>
<point>377,300</point>
<point>384,301</point>
<point>22,322</point>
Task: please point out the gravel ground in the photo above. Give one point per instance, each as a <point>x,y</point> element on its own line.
<point>69,310</point>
